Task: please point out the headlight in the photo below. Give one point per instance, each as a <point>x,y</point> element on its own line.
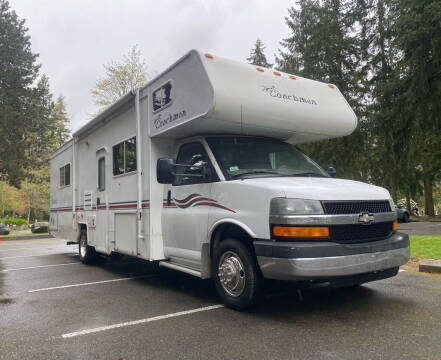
<point>284,206</point>
<point>392,204</point>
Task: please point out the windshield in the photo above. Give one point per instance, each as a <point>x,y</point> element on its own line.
<point>257,157</point>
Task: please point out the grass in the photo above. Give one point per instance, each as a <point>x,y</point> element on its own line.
<point>22,234</point>
<point>425,246</point>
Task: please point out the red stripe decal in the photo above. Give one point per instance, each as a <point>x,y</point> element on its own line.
<point>213,205</point>
<point>186,199</point>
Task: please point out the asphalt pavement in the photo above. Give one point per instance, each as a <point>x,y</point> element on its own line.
<point>53,307</point>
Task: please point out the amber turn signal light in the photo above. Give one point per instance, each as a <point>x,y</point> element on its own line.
<point>303,232</point>
<point>395,225</point>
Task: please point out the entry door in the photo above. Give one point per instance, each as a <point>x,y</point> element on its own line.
<point>102,214</point>
<point>185,225</point>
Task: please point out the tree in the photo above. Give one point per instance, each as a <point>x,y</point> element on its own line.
<point>418,27</point>
<point>324,46</point>
<point>120,78</point>
<point>257,56</point>
<point>18,71</point>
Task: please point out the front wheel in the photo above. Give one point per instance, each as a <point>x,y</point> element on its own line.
<point>236,275</point>
<point>87,253</point>
<point>405,217</point>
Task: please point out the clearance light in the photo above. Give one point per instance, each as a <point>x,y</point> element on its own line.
<point>276,73</point>
<point>292,77</point>
<point>331,86</point>
<point>209,56</point>
<point>259,69</point>
<point>395,225</point>
<point>303,232</point>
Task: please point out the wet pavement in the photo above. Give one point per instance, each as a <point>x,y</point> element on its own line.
<point>53,307</point>
<point>420,228</point>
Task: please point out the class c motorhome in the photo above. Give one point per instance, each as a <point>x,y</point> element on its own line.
<point>198,171</point>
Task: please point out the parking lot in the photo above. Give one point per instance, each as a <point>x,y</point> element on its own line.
<point>53,307</point>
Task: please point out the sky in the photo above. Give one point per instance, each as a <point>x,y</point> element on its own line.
<point>75,38</point>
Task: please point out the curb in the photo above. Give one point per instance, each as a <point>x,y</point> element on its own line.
<point>29,237</point>
<point>430,265</point>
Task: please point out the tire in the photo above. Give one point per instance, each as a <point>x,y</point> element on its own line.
<point>87,253</point>
<point>236,275</point>
<point>405,217</point>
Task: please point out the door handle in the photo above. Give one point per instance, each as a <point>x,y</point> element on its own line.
<point>169,198</point>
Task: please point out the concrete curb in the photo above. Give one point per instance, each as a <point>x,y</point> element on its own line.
<point>430,265</point>
<point>29,237</point>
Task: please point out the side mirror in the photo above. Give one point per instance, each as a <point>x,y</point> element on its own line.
<point>165,170</point>
<point>332,172</point>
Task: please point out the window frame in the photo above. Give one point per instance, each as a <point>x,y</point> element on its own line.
<point>124,156</point>
<point>214,177</point>
<point>61,186</point>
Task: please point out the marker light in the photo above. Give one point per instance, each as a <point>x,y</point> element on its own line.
<point>276,73</point>
<point>302,232</point>
<point>395,225</point>
<point>292,77</point>
<point>331,86</point>
<point>259,69</point>
<point>209,56</point>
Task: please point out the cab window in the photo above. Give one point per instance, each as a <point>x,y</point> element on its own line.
<point>200,170</point>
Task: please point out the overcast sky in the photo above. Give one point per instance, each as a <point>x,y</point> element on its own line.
<point>75,38</point>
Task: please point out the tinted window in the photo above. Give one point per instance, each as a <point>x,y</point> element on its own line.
<point>194,154</point>
<point>124,157</point>
<point>101,174</point>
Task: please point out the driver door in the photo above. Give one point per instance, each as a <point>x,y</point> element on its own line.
<point>185,222</point>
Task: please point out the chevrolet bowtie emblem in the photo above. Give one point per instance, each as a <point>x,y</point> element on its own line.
<point>365,218</point>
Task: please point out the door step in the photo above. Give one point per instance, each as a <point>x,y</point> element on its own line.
<point>182,268</point>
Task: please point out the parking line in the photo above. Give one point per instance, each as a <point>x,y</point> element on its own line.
<point>142,321</point>
<point>28,256</point>
<point>40,266</point>
<point>90,283</point>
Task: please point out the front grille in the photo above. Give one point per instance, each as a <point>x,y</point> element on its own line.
<point>348,234</point>
<point>355,207</point>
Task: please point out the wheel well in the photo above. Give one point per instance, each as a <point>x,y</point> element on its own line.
<point>229,230</point>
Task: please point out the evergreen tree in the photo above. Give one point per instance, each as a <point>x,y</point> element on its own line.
<point>324,46</point>
<point>257,56</point>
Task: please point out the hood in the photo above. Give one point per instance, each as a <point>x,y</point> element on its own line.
<point>315,188</point>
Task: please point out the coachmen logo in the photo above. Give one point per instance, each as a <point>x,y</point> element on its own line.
<point>366,218</point>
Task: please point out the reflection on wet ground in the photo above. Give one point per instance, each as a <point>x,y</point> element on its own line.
<point>3,299</point>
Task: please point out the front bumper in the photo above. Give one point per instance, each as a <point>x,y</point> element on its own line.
<point>326,260</point>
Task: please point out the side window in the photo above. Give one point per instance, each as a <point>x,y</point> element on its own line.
<point>195,155</point>
<point>101,174</point>
<point>124,157</point>
<point>65,175</point>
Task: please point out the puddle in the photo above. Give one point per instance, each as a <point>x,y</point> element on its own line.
<point>3,299</point>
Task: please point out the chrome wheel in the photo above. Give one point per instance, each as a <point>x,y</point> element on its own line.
<point>83,247</point>
<point>231,273</point>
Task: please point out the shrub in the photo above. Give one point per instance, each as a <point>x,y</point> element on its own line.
<point>13,221</point>
<point>40,227</point>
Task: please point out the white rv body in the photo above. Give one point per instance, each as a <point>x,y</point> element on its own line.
<point>196,99</point>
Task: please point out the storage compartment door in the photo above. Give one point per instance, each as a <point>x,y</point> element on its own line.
<point>125,233</point>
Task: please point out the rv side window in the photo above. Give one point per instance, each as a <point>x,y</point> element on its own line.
<point>65,175</point>
<point>102,174</point>
<point>124,157</point>
<point>194,154</point>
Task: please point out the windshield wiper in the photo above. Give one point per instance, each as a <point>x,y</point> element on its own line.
<point>308,174</point>
<point>252,172</point>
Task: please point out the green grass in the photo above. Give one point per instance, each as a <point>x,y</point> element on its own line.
<point>426,246</point>
<point>22,234</point>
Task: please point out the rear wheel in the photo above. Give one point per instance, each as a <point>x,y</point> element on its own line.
<point>405,217</point>
<point>236,275</point>
<point>87,253</point>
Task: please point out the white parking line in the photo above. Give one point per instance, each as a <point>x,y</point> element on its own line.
<point>28,256</point>
<point>40,266</point>
<point>90,283</point>
<point>142,321</point>
<point>33,248</point>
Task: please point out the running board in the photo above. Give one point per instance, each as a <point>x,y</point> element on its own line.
<point>180,268</point>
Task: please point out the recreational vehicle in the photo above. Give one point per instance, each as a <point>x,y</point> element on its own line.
<point>199,172</point>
